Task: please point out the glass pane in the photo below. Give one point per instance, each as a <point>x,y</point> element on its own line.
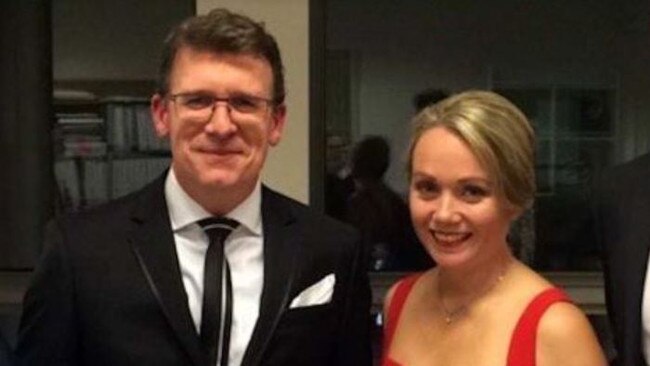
<point>585,112</point>
<point>564,231</point>
<point>579,159</point>
<point>544,167</point>
<point>536,105</point>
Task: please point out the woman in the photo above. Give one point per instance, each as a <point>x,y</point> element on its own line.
<point>471,174</point>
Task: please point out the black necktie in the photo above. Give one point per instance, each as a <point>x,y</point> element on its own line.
<point>217,230</point>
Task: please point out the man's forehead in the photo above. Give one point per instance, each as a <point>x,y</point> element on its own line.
<point>186,61</point>
<point>197,53</point>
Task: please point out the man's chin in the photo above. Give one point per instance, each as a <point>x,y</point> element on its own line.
<point>218,182</point>
<point>226,180</point>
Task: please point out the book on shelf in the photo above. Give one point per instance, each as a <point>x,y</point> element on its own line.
<point>130,128</point>
<point>148,139</point>
<point>95,182</point>
<point>78,119</point>
<point>83,148</point>
<point>105,148</point>
<point>79,140</point>
<point>67,181</point>
<point>63,96</point>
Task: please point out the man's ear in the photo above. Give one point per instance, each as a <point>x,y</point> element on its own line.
<point>160,115</point>
<point>278,120</point>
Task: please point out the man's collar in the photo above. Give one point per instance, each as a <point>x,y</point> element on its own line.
<point>184,211</point>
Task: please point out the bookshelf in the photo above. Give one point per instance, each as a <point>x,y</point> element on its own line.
<point>105,147</point>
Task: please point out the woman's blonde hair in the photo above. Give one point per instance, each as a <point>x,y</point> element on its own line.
<point>496,131</point>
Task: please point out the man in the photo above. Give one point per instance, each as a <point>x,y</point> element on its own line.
<point>622,227</point>
<point>127,282</point>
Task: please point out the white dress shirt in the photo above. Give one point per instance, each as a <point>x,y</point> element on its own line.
<point>243,249</point>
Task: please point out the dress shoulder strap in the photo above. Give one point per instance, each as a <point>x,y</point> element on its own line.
<point>402,291</point>
<point>524,338</point>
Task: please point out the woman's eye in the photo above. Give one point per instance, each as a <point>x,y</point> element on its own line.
<point>426,188</point>
<point>473,193</point>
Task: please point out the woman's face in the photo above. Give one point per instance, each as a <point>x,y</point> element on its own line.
<point>456,210</point>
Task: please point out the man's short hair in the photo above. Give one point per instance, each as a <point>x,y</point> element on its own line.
<point>222,31</point>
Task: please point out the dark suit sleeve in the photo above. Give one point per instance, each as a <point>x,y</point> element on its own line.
<point>596,215</point>
<point>354,336</point>
<point>6,353</point>
<point>601,195</point>
<point>47,332</point>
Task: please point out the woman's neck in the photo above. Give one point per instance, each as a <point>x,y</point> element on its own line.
<point>458,288</point>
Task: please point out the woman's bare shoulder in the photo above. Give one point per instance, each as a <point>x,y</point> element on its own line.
<point>566,337</point>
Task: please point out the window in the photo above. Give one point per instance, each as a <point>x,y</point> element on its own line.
<point>578,70</point>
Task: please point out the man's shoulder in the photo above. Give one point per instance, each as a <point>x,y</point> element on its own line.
<point>114,212</point>
<point>637,166</point>
<point>625,178</point>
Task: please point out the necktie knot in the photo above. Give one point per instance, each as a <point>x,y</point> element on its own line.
<point>218,228</point>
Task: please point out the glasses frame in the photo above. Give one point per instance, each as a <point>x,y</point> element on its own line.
<point>233,111</point>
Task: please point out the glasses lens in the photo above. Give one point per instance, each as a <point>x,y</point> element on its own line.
<point>247,104</point>
<point>194,107</point>
<point>195,102</point>
<point>201,106</point>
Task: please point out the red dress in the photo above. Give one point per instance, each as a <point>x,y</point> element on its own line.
<point>522,344</point>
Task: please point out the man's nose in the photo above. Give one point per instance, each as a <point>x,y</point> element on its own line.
<point>220,122</point>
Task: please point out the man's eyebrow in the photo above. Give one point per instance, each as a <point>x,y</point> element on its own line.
<point>197,92</point>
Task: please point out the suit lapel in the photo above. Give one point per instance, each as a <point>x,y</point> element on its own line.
<point>153,244</point>
<point>280,253</point>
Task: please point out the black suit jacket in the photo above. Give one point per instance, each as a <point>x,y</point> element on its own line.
<point>108,290</point>
<point>622,225</point>
<point>6,352</point>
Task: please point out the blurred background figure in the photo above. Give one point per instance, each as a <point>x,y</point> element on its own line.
<point>379,213</point>
<point>338,181</point>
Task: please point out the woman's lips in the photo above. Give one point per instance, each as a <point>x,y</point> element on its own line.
<point>448,238</point>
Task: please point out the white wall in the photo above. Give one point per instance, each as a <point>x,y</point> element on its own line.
<point>287,169</point>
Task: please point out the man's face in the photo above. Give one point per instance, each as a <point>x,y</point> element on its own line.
<point>218,149</point>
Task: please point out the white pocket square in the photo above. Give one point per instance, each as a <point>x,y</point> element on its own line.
<point>316,294</point>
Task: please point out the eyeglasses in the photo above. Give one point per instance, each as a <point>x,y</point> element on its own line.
<point>200,107</point>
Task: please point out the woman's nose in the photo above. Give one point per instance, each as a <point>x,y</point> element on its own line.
<point>446,209</point>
